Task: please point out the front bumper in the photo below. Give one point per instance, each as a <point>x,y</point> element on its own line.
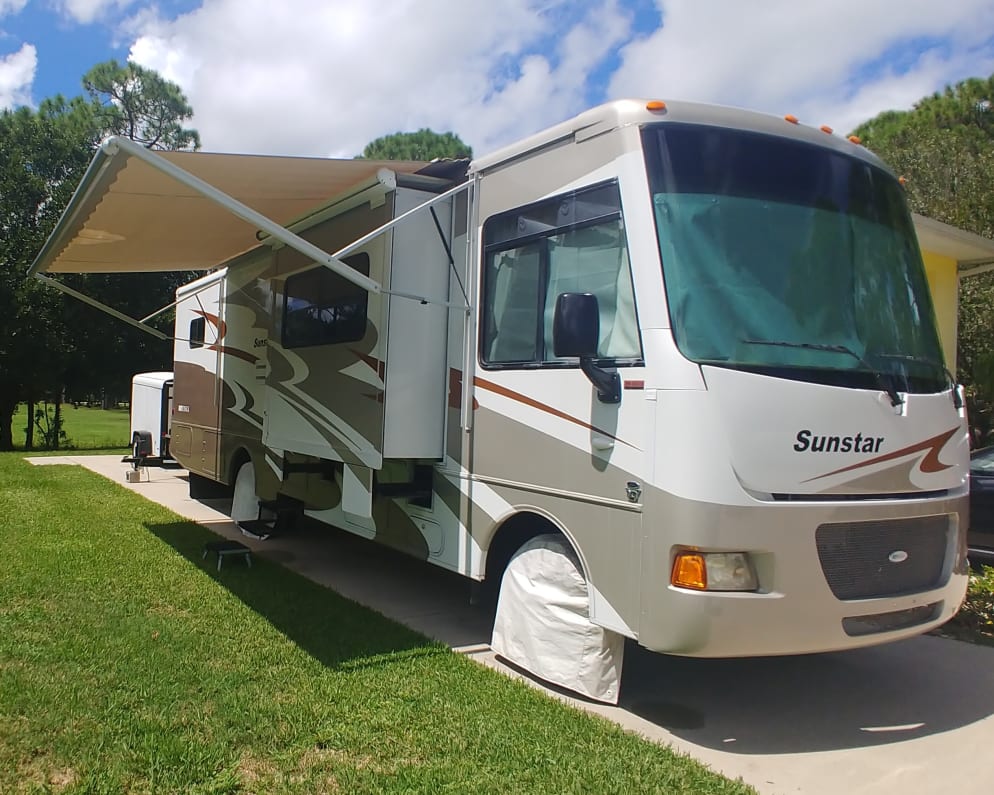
<point>795,610</point>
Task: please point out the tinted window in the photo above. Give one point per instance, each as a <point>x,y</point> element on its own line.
<point>791,259</point>
<point>572,243</point>
<point>198,328</point>
<point>323,308</point>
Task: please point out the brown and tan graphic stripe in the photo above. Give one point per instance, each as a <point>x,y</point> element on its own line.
<point>497,389</point>
<point>929,464</point>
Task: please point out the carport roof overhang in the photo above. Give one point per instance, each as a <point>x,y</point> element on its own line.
<point>129,216</point>
<point>973,253</point>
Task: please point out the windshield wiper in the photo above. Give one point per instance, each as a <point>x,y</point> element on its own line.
<point>950,378</point>
<point>885,383</point>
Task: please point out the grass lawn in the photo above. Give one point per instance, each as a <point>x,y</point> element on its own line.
<point>87,428</point>
<point>127,664</point>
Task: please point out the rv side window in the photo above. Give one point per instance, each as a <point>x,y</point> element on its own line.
<point>322,308</point>
<point>198,328</point>
<point>572,243</point>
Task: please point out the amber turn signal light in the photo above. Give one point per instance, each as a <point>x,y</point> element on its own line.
<point>689,571</point>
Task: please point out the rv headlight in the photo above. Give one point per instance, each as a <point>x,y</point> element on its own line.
<point>714,571</point>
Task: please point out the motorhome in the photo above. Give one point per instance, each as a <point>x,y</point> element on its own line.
<point>665,371</point>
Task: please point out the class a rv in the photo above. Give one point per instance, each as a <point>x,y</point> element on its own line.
<point>665,371</point>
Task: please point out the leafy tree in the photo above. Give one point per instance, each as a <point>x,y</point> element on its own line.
<point>140,104</point>
<point>48,343</point>
<point>42,156</point>
<point>944,147</point>
<point>421,145</point>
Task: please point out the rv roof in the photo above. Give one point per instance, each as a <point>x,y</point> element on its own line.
<point>129,217</point>
<point>628,112</point>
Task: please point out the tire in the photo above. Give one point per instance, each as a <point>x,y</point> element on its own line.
<point>244,500</point>
<point>543,622</point>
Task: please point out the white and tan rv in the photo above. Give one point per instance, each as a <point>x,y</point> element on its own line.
<point>665,371</point>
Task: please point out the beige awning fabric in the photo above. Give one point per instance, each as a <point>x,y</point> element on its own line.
<point>127,216</point>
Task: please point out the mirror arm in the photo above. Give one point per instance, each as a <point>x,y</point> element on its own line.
<point>607,382</point>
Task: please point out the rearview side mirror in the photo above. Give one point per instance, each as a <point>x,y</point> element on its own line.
<point>576,325</point>
<point>576,330</point>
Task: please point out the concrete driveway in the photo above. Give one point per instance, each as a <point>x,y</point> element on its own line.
<point>910,717</point>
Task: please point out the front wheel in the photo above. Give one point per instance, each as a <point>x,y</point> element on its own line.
<point>543,622</point>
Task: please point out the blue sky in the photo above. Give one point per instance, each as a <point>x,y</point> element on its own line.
<point>323,78</point>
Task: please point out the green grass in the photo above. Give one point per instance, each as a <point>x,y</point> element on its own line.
<point>127,664</point>
<point>86,428</point>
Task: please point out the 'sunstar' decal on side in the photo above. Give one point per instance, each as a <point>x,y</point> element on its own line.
<point>929,464</point>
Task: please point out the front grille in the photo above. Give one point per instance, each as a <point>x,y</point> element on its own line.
<point>861,560</point>
<point>857,626</point>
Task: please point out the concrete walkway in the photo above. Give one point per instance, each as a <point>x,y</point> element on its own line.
<point>911,717</point>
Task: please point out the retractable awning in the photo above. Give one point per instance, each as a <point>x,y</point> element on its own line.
<point>141,211</point>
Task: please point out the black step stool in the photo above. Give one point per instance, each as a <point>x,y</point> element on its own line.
<point>225,548</point>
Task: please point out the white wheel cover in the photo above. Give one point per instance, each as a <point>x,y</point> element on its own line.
<point>245,503</point>
<point>543,622</point>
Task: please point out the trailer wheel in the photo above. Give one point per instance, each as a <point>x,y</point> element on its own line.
<point>543,622</point>
<point>245,501</point>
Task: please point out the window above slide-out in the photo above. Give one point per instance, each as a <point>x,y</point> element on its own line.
<point>573,243</point>
<point>791,259</point>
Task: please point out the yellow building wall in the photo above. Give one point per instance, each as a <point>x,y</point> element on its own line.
<point>944,284</point>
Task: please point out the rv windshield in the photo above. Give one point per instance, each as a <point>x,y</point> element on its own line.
<point>790,259</point>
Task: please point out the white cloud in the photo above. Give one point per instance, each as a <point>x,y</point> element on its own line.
<point>87,11</point>
<point>293,77</point>
<point>837,63</point>
<point>17,73</point>
<point>11,7</point>
<point>300,77</point>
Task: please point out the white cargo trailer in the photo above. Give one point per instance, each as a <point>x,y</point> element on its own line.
<point>151,417</point>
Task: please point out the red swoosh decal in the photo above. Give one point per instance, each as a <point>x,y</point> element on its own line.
<point>930,464</point>
<point>222,329</point>
<point>509,393</point>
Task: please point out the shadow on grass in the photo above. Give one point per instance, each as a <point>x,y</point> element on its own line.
<point>335,631</point>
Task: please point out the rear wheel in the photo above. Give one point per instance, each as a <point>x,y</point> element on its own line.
<point>245,502</point>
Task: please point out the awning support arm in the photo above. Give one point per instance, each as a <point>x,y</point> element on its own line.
<point>240,210</point>
<point>171,304</point>
<point>355,244</point>
<point>102,307</point>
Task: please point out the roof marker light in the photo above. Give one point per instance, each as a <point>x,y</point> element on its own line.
<point>655,104</point>
<point>855,139</point>
<point>826,129</point>
<point>791,118</point>
<point>902,180</point>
